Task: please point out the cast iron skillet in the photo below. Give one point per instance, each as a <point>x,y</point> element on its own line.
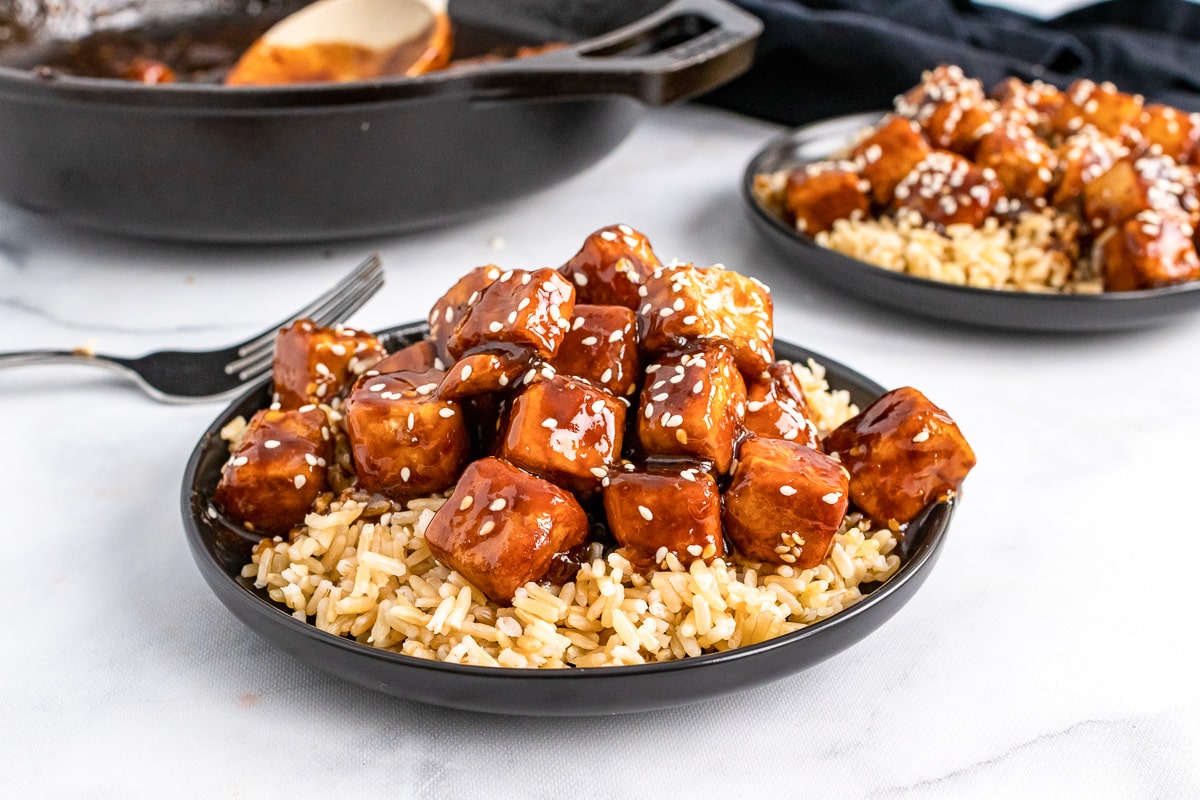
<point>210,163</point>
<point>221,548</point>
<point>987,307</point>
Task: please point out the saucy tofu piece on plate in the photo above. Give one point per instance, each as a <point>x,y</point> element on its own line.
<point>315,365</point>
<point>1023,163</point>
<point>1174,133</point>
<point>951,109</point>
<point>524,311</point>
<point>612,264</point>
<point>451,307</point>
<point>684,305</point>
<point>1100,105</point>
<point>817,195</point>
<point>656,511</point>
<point>693,404</point>
<point>565,430</point>
<point>784,503</point>
<point>1082,158</point>
<point>406,441</point>
<point>504,527</point>
<point>602,348</point>
<point>1148,251</point>
<point>1034,104</point>
<point>889,154</point>
<point>1140,183</point>
<point>776,407</point>
<point>947,189</point>
<point>902,452</point>
<point>278,469</point>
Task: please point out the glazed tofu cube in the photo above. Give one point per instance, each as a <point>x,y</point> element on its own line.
<point>1149,250</point>
<point>406,442</point>
<point>1034,104</point>
<point>685,305</point>
<point>888,155</point>
<point>1100,105</point>
<point>481,374</point>
<point>1023,163</point>
<point>693,404</point>
<point>902,452</point>
<point>1175,133</point>
<point>1082,158</point>
<point>950,108</point>
<point>947,189</point>
<point>278,470</point>
<point>611,265</point>
<point>819,194</point>
<point>526,311</point>
<point>419,357</point>
<point>602,349</point>
<point>450,309</point>
<point>784,503</point>
<point>1135,184</point>
<point>565,430</point>
<point>776,407</point>
<point>651,513</point>
<point>315,365</point>
<point>503,528</point>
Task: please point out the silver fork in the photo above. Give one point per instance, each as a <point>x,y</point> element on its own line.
<point>175,376</point>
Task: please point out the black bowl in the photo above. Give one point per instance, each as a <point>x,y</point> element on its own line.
<point>220,549</point>
<point>929,298</point>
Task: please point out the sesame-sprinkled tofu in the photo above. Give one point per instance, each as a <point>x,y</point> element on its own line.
<point>503,528</point>
<point>565,430</point>
<point>278,470</point>
<point>685,304</point>
<point>821,193</point>
<point>1083,157</point>
<point>450,309</point>
<point>1175,133</point>
<point>784,503</point>
<point>1100,105</point>
<point>1034,104</point>
<point>406,441</point>
<point>421,356</point>
<point>659,511</point>
<point>950,108</point>
<point>611,265</point>
<point>483,373</point>
<point>693,404</point>
<point>947,189</point>
<point>525,311</point>
<point>1140,183</point>
<point>316,365</point>
<point>902,452</point>
<point>776,407</point>
<point>889,154</point>
<point>1147,251</point>
<point>602,348</point>
<point>1023,163</point>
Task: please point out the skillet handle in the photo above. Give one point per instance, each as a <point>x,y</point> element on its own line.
<point>685,49</point>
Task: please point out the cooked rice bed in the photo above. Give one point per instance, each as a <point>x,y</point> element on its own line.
<point>376,581</point>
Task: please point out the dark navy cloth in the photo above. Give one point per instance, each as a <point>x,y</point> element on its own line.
<point>822,58</point>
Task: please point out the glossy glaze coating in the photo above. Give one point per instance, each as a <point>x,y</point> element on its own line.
<point>602,348</point>
<point>1083,157</point>
<point>406,442</point>
<point>451,307</point>
<point>1175,133</point>
<point>776,407</point>
<point>565,430</point>
<point>679,510</point>
<point>950,108</point>
<point>483,373</point>
<point>686,304</point>
<point>1034,104</point>
<point>1139,183</point>
<point>902,452</point>
<point>503,527</point>
<point>693,404</point>
<point>1023,163</point>
<point>315,365</point>
<point>1147,251</point>
<point>888,154</point>
<point>610,267</point>
<point>784,503</point>
<point>819,194</point>
<point>278,470</point>
<point>531,310</point>
<point>947,189</point>
<point>1100,105</point>
<point>417,357</point>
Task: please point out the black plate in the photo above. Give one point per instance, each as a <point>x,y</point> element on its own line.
<point>987,307</point>
<point>220,550</point>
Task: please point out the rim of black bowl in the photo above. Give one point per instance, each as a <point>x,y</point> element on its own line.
<point>195,501</point>
<point>776,150</point>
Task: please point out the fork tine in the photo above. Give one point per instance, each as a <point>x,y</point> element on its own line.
<point>363,271</point>
<point>346,305</point>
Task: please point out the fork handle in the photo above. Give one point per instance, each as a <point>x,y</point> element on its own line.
<point>32,357</point>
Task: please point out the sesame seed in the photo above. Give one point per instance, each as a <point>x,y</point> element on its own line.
<point>674,421</point>
<point>681,436</point>
<point>832,497</point>
<point>608,236</point>
<point>660,555</point>
<point>503,380</point>
<point>487,527</point>
<point>496,327</point>
<point>599,472</point>
<point>786,491</point>
<point>498,504</point>
<point>512,317</point>
<point>690,319</point>
<point>525,279</point>
<point>589,341</point>
<point>426,388</point>
<point>271,444</point>
<point>449,315</point>
<point>307,408</point>
<point>598,406</point>
<point>646,513</point>
<point>446,413</point>
<point>625,229</point>
<point>466,371</point>
<point>405,474</point>
<point>695,550</point>
<point>466,503</point>
<point>240,461</point>
<point>922,436</point>
<point>524,304</point>
<point>666,312</point>
<point>310,459</point>
<point>412,420</point>
<point>606,376</point>
<point>632,242</point>
<point>580,279</point>
<point>550,423</point>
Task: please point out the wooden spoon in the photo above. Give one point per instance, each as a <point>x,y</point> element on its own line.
<point>348,40</point>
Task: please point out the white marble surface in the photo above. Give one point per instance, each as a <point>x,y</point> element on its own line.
<point>1052,652</point>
